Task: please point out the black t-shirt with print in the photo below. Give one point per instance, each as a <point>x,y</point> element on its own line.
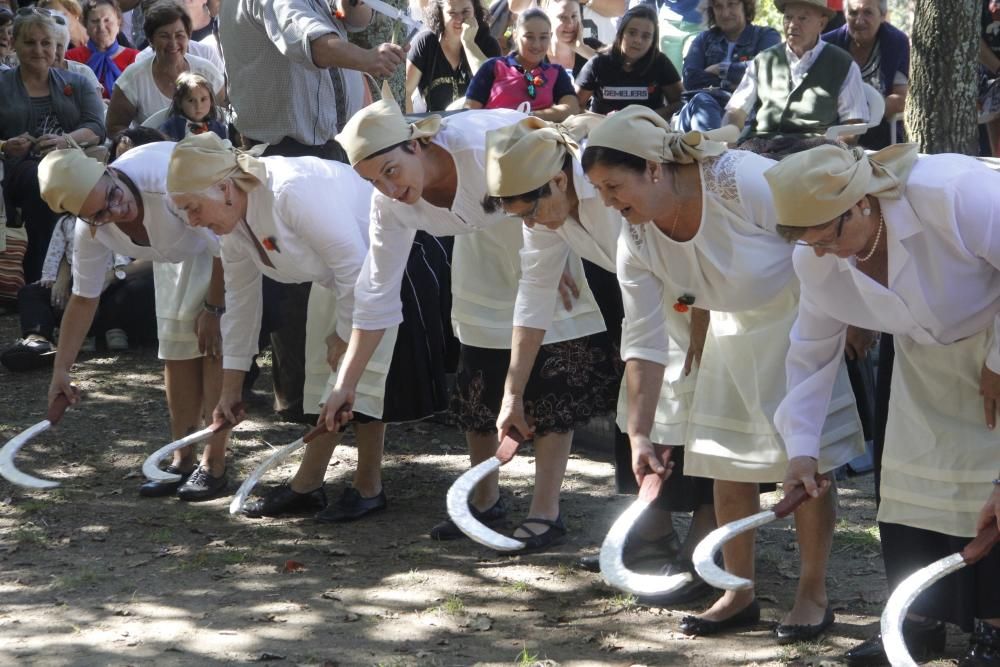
<point>614,88</point>
<point>440,83</point>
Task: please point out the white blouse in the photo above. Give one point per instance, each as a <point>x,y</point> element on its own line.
<point>170,238</point>
<point>943,286</point>
<point>312,220</point>
<point>593,237</point>
<point>735,262</point>
<point>139,88</point>
<point>485,269</point>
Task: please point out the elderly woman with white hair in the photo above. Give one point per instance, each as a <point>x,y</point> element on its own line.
<point>702,233</point>
<point>430,176</point>
<point>124,209</point>
<point>906,244</point>
<point>273,215</point>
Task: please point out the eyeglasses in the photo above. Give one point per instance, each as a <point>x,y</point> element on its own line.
<point>40,11</point>
<point>113,200</point>
<point>530,215</point>
<point>832,243</point>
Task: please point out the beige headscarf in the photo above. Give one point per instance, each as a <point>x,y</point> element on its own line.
<point>642,132</point>
<point>202,160</point>
<point>526,155</point>
<point>66,178</point>
<point>380,125</point>
<point>815,186</point>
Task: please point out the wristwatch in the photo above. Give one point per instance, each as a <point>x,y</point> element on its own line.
<point>119,273</point>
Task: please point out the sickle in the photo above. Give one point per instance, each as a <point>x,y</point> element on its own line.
<point>704,554</point>
<point>458,497</point>
<point>915,584</point>
<point>613,565</point>
<point>151,466</point>
<point>8,470</point>
<point>236,506</point>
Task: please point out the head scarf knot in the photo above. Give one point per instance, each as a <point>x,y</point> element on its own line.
<point>525,156</point>
<point>381,125</point>
<point>815,186</point>
<point>203,160</point>
<point>642,132</point>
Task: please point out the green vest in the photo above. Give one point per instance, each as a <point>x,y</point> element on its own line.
<point>812,106</point>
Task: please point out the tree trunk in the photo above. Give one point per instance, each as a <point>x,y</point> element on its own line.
<point>380,32</point>
<point>941,107</point>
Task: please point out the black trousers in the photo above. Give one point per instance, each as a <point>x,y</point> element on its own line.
<point>20,191</point>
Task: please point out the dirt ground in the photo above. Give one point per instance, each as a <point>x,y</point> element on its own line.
<point>91,574</point>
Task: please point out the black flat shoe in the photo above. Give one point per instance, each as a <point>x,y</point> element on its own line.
<point>28,354</point>
<point>789,634</point>
<point>701,627</point>
<point>351,507</point>
<point>152,489</point>
<point>924,640</point>
<point>535,542</point>
<point>492,517</point>
<point>284,500</point>
<point>984,647</point>
<point>202,486</point>
<point>689,592</point>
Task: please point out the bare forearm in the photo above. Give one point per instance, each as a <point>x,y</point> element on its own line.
<point>643,382</point>
<point>524,346</point>
<point>73,328</point>
<point>558,112</point>
<point>216,294</point>
<point>331,51</point>
<point>85,137</point>
<point>988,58</point>
<point>894,104</point>
<point>735,117</point>
<point>232,382</point>
<point>609,8</point>
<point>360,350</point>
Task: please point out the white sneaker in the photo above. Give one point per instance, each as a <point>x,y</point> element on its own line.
<point>89,344</point>
<point>116,339</point>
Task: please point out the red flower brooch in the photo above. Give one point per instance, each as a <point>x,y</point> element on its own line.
<point>270,244</point>
<point>684,303</point>
<point>68,90</point>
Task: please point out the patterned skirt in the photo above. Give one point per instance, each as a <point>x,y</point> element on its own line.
<point>570,383</point>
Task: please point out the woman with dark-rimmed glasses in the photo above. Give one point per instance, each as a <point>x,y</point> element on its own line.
<point>124,209</point>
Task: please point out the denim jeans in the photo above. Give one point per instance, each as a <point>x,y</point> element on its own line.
<point>702,112</point>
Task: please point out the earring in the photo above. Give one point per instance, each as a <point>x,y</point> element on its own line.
<point>866,212</point>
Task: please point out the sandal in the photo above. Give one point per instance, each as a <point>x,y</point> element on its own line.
<point>540,541</point>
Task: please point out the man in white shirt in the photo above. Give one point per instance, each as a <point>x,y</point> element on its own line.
<point>801,87</point>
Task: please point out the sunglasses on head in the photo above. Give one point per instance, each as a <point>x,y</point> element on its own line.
<point>28,11</point>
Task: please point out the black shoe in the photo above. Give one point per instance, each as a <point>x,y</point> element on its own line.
<point>984,647</point>
<point>202,486</point>
<point>924,639</point>
<point>492,517</point>
<point>789,634</point>
<point>640,554</point>
<point>351,507</point>
<point>695,589</point>
<point>153,489</point>
<point>284,500</point>
<point>535,542</point>
<point>28,354</point>
<point>701,627</point>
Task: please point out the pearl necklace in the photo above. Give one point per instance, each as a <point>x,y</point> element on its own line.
<point>878,237</point>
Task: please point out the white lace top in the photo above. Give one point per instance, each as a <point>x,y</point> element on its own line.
<point>735,262</point>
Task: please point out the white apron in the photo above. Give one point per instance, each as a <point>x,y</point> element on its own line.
<point>180,297</point>
<point>740,384</point>
<point>939,457</point>
<point>321,319</point>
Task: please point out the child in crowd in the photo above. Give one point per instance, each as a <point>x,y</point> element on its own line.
<point>632,71</point>
<point>193,109</point>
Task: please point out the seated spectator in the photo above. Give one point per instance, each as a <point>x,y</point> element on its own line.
<point>73,12</point>
<point>717,59</point>
<point>525,75</point>
<point>882,52</point>
<point>202,42</point>
<point>443,58</point>
<point>43,108</point>
<point>989,72</point>
<point>193,110</point>
<point>569,47</point>
<point>678,21</point>
<point>7,56</point>
<point>826,86</point>
<point>102,53</point>
<point>62,41</point>
<point>632,71</point>
<point>139,92</point>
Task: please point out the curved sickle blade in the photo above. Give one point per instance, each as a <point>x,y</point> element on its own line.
<point>704,554</point>
<point>10,472</point>
<point>151,466</point>
<point>458,508</point>
<point>236,506</point>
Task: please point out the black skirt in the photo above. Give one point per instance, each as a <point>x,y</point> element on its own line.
<point>570,383</point>
<point>426,349</point>
<point>972,592</point>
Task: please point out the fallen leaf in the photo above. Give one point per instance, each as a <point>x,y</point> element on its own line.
<point>293,566</point>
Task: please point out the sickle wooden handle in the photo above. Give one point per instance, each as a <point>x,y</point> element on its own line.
<point>652,483</point>
<point>981,545</point>
<point>508,448</point>
<point>791,502</point>
<point>58,407</point>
